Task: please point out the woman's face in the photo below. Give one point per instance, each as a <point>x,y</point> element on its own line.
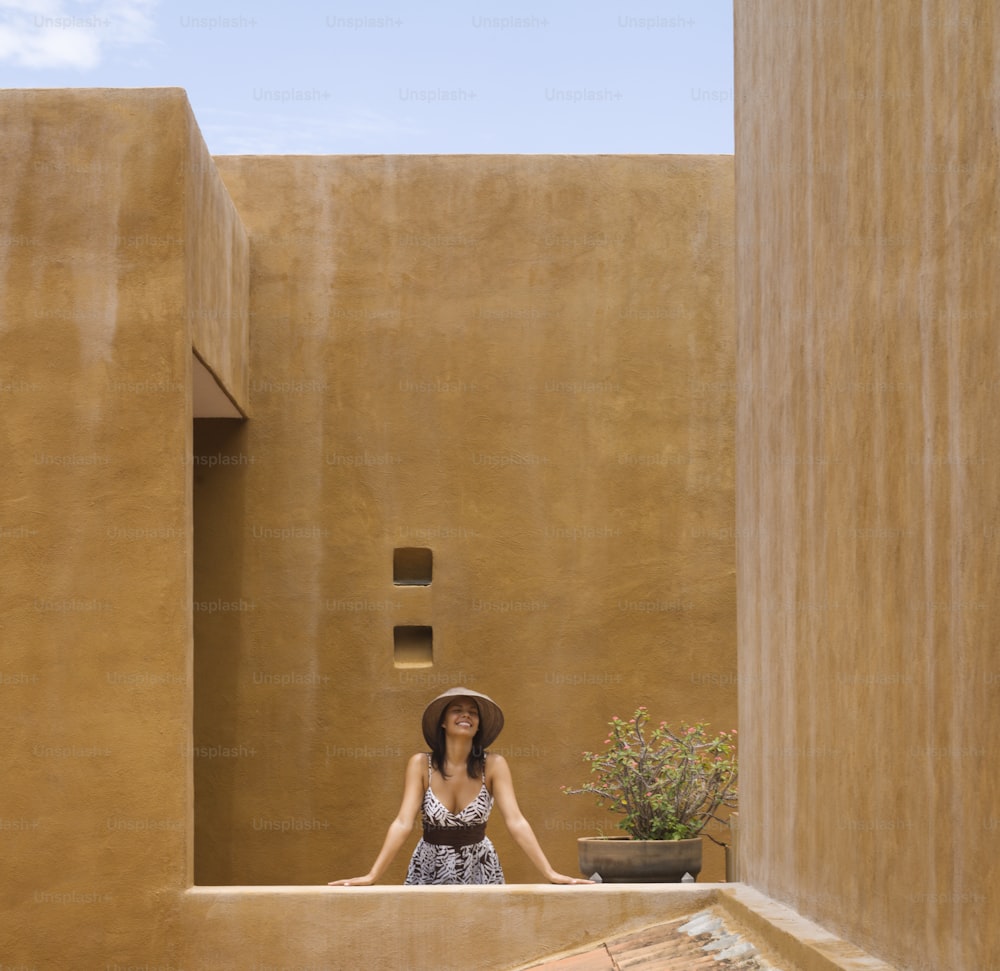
<point>462,717</point>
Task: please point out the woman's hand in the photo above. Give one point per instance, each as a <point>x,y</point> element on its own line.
<point>562,878</point>
<point>366,881</point>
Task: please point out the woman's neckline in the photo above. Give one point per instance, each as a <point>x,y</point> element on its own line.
<point>474,800</point>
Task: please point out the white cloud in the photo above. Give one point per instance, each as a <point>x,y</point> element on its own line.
<point>43,34</point>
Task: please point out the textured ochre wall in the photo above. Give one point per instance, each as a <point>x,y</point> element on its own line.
<point>418,928</point>
<point>96,568</point>
<point>867,469</point>
<point>584,546</point>
<point>523,363</point>
<point>217,270</point>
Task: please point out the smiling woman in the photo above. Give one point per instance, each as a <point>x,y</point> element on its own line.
<point>454,787</point>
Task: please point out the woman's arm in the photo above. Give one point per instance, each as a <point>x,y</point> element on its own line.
<point>519,827</point>
<point>400,828</point>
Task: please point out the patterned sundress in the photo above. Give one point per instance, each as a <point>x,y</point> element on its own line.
<point>476,862</point>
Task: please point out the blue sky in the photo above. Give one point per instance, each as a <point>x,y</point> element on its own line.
<point>366,76</point>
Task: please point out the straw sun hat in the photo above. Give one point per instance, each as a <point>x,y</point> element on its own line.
<point>490,715</point>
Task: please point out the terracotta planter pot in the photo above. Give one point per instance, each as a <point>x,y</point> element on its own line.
<point>621,859</point>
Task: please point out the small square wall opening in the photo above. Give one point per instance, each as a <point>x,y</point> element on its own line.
<point>413,647</point>
<point>412,566</point>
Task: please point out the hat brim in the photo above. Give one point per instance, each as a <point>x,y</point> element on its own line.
<point>490,715</point>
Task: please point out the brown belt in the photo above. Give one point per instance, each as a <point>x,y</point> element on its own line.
<point>454,835</point>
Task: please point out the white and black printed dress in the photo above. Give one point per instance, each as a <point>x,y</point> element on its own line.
<point>454,847</point>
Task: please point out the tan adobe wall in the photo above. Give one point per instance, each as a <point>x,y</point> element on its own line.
<point>105,205</point>
<point>524,364</point>
<point>217,276</point>
<point>96,569</point>
<point>867,470</point>
<point>423,928</point>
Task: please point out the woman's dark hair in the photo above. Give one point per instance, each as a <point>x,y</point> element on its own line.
<point>475,765</point>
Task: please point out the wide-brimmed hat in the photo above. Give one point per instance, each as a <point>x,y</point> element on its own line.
<point>490,715</point>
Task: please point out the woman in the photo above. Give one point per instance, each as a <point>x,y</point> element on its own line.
<point>454,786</point>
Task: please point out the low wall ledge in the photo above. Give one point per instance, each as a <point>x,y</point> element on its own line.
<point>288,926</point>
<point>684,891</point>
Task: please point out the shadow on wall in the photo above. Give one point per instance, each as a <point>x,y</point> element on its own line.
<point>221,615</point>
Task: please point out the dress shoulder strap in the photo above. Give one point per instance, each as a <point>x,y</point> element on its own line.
<point>430,767</point>
<point>484,767</point>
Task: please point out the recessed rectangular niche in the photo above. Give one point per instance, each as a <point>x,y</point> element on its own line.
<point>412,566</point>
<point>413,647</point>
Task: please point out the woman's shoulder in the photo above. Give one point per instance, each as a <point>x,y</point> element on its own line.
<point>495,762</point>
<point>416,767</point>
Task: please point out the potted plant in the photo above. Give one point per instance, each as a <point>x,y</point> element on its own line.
<point>668,785</point>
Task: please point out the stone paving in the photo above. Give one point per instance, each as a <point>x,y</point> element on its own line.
<point>694,943</point>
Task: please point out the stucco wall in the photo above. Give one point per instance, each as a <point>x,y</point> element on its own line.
<point>96,568</point>
<point>419,928</point>
<point>217,273</point>
<point>867,470</point>
<point>545,481</point>
<point>523,363</point>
